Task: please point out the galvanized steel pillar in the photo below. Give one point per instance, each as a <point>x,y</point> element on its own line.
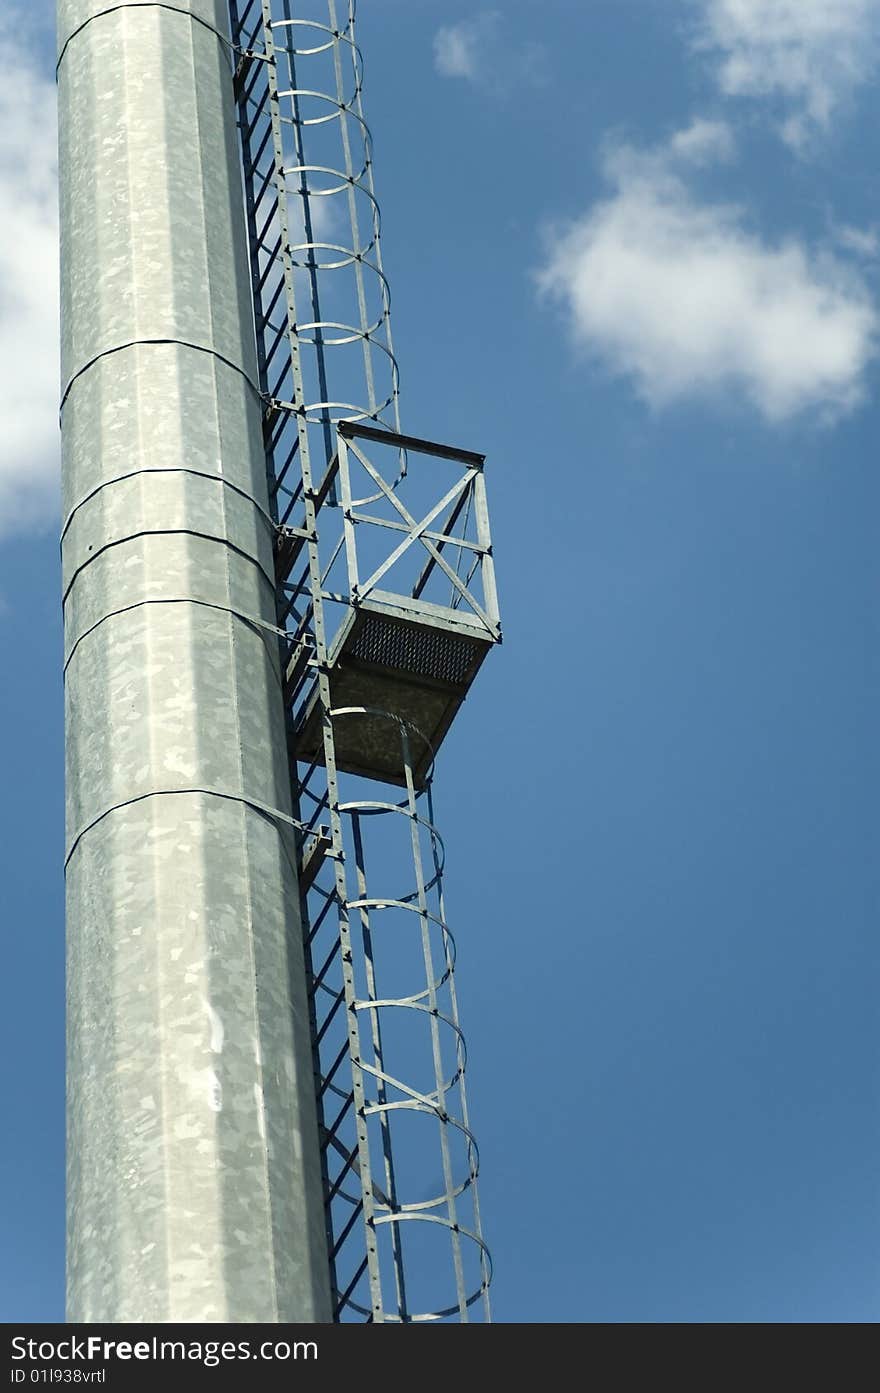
<point>194,1180</point>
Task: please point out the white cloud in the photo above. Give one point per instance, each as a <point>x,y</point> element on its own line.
<point>703,142</point>
<point>461,50</point>
<point>482,50</point>
<point>29,441</point>
<point>680,296</point>
<point>810,54</point>
<point>859,240</point>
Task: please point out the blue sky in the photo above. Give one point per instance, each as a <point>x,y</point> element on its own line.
<point>633,246</point>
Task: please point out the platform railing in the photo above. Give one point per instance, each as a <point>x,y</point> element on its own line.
<point>450,542</point>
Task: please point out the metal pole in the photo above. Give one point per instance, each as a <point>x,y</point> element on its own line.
<point>194,1174</point>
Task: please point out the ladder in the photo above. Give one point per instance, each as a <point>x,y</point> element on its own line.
<point>372,676</point>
